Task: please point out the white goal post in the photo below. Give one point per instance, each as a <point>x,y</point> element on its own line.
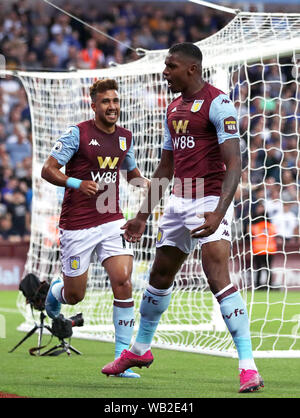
<point>255,60</point>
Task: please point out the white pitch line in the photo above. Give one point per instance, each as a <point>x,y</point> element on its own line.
<point>9,310</point>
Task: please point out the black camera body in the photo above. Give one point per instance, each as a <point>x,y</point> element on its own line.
<point>34,291</point>
<point>62,327</point>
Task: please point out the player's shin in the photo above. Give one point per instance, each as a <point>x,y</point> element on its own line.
<point>235,315</point>
<point>123,319</point>
<point>154,303</point>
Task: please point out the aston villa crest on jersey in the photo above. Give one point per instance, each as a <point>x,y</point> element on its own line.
<point>122,142</point>
<point>197,105</point>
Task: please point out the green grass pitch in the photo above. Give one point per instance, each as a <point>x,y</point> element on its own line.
<point>172,375</point>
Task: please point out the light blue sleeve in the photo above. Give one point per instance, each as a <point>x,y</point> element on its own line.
<point>66,145</point>
<point>168,145</point>
<point>223,115</point>
<point>129,162</point>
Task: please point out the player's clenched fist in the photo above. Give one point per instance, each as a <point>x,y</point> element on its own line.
<point>211,224</point>
<point>89,187</point>
<point>134,229</point>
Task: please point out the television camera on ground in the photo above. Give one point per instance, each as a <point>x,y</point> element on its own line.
<point>35,293</point>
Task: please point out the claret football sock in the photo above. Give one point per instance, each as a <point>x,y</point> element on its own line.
<point>235,315</point>
<point>154,303</point>
<point>123,319</point>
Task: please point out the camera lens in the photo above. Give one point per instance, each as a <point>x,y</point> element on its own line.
<point>77,320</point>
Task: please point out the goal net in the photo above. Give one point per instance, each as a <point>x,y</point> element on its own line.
<point>255,59</point>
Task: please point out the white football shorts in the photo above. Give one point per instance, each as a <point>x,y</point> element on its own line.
<point>79,247</point>
<point>181,215</point>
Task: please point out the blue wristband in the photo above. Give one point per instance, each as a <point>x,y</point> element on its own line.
<point>72,182</point>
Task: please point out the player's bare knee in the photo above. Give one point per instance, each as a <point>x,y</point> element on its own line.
<point>122,288</point>
<point>126,284</point>
<point>161,280</point>
<point>73,298</point>
<point>217,277</point>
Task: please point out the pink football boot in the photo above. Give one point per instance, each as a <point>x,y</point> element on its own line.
<point>127,360</point>
<point>250,381</point>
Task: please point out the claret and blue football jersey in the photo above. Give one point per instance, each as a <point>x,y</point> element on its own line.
<point>194,129</point>
<point>91,154</point>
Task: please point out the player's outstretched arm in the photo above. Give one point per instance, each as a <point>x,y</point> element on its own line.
<point>51,172</point>
<point>135,228</point>
<point>231,155</point>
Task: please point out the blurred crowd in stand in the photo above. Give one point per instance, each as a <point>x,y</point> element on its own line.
<point>40,37</point>
<point>15,162</point>
<point>267,99</point>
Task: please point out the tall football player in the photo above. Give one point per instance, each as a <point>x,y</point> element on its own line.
<point>93,152</point>
<point>202,151</point>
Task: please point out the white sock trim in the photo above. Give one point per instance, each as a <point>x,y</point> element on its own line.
<point>123,300</point>
<point>223,290</point>
<point>159,292</point>
<point>63,300</point>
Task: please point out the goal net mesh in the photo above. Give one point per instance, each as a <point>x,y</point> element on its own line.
<point>255,59</point>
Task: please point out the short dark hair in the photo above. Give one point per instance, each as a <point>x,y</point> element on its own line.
<point>100,86</point>
<point>187,48</point>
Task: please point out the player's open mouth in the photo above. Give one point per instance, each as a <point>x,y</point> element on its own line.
<point>167,81</point>
<point>112,115</point>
